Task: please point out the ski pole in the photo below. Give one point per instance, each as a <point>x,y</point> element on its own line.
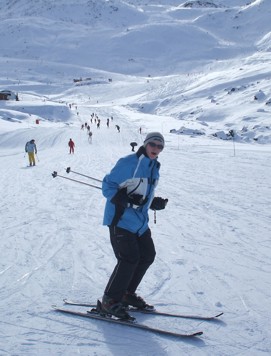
<point>37,157</point>
<point>54,174</point>
<point>68,170</point>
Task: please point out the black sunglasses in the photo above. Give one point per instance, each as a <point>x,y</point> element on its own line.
<point>152,144</point>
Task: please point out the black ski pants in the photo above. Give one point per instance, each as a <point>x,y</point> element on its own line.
<point>135,254</point>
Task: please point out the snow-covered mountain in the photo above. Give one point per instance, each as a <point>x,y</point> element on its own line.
<point>201,60</point>
<point>134,36</point>
<point>199,72</point>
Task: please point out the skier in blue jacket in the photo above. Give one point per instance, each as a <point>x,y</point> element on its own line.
<point>31,149</point>
<point>129,190</point>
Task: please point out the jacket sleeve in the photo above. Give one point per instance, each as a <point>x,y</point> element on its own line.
<point>116,179</point>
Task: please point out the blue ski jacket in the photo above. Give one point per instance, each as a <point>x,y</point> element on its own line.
<point>30,147</point>
<point>139,175</point>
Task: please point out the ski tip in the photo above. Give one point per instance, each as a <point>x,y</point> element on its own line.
<point>194,334</point>
<point>218,315</point>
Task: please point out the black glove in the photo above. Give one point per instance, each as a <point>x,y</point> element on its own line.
<point>121,198</point>
<point>158,203</point>
<point>137,199</point>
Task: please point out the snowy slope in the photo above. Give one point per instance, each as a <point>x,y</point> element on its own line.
<point>193,70</point>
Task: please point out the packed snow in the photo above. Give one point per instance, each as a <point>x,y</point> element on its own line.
<point>198,72</point>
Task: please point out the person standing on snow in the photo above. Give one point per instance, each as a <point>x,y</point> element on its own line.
<point>31,149</point>
<point>71,145</point>
<point>129,190</point>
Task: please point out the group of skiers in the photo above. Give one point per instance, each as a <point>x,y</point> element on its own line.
<point>31,150</point>
<point>97,121</point>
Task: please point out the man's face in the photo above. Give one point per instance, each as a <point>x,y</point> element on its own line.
<point>153,149</point>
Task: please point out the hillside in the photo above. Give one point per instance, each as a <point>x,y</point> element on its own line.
<point>176,48</point>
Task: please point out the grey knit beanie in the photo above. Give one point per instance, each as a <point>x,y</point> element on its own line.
<point>154,136</point>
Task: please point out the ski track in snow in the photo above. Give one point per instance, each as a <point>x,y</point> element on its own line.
<point>213,234</point>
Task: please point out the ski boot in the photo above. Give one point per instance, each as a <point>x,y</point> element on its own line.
<point>110,307</point>
<point>133,300</point>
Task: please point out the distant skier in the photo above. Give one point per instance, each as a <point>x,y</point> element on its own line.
<point>71,145</point>
<point>118,128</point>
<point>31,149</point>
<point>133,144</point>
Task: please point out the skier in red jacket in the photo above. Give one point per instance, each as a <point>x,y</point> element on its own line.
<point>71,145</point>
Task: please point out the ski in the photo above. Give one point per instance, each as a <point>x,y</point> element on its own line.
<point>152,312</point>
<point>93,314</point>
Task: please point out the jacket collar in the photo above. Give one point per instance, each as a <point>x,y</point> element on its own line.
<point>141,151</point>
